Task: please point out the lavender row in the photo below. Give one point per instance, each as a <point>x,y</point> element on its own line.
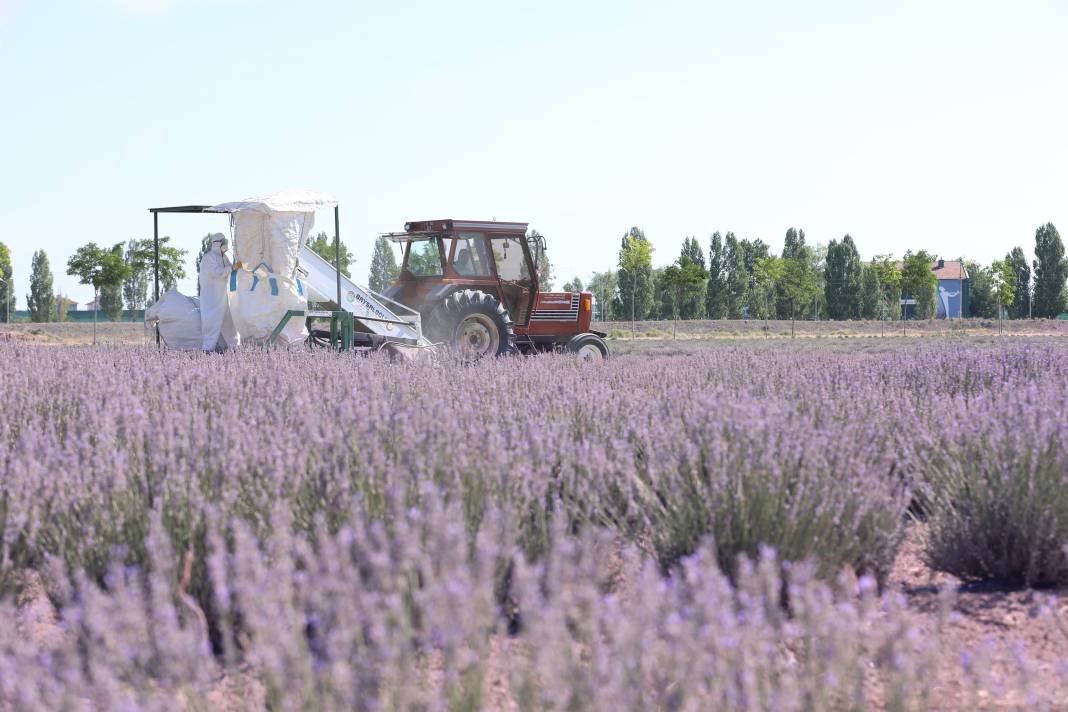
<point>467,487</point>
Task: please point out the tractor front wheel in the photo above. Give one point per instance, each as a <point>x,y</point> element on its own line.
<point>589,347</point>
<point>473,323</point>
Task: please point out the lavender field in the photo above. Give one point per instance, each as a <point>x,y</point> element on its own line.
<point>718,528</point>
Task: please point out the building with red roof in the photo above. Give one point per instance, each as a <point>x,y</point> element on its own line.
<point>951,293</point>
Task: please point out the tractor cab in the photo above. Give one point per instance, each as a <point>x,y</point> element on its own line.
<point>441,256</point>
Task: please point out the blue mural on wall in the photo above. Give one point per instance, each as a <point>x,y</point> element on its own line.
<point>950,298</point>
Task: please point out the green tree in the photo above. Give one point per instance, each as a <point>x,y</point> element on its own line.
<point>103,269</point>
<point>324,247</point>
<point>694,305</point>
<point>918,281</point>
<point>752,252</point>
<point>1004,280</point>
<point>817,265</point>
<point>171,264</point>
<point>661,307</point>
<point>111,293</point>
<point>135,287</point>
<point>603,285</point>
<point>1021,272</point>
<point>139,257</point>
<point>767,272</point>
<point>735,276</point>
<point>890,282</point>
<point>716,290</point>
<point>842,275</point>
<point>683,280</point>
<point>635,275</point>
<point>41,301</point>
<point>7,287</point>
<point>573,285</point>
<point>982,302</point>
<point>1051,272</point>
<point>692,248</point>
<point>384,267</point>
<point>871,292</point>
<point>793,248</point>
<point>799,285</point>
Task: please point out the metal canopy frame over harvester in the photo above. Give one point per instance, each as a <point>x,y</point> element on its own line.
<point>357,315</point>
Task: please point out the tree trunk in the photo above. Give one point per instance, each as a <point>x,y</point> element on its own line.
<point>96,306</point>
<point>632,335</point>
<point>675,324</point>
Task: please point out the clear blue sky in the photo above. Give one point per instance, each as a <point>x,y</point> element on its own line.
<point>936,125</point>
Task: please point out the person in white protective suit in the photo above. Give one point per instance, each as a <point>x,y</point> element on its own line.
<point>216,328</point>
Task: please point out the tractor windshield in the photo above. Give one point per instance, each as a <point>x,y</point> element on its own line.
<point>423,258</point>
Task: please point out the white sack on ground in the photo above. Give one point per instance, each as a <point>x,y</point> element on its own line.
<point>179,320</point>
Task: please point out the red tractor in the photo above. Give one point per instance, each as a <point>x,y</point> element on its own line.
<point>475,286</point>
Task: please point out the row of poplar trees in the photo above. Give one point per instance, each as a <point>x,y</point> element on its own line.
<point>742,278</point>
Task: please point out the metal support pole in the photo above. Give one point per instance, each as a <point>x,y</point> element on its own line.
<point>337,255</point>
<point>155,265</point>
<point>346,331</point>
<point>96,308</point>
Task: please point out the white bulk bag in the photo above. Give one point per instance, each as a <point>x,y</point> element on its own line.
<point>269,233</point>
<point>269,242</point>
<point>257,305</point>
<point>179,320</point>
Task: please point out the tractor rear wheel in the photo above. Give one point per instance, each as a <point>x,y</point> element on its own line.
<point>473,323</point>
<point>589,347</point>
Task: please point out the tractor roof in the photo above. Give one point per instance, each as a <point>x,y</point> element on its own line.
<point>450,225</point>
